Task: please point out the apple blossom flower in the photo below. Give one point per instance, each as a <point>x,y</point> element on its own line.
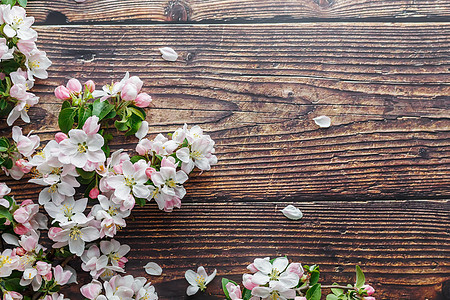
<point>34,275</point>
<point>8,263</point>
<point>144,290</point>
<point>27,46</point>
<point>54,296</point>
<point>199,154</point>
<point>110,91</point>
<point>81,148</point>
<point>132,181</point>
<point>291,212</point>
<point>110,215</point>
<point>37,64</point>
<point>199,280</point>
<point>75,234</point>
<point>4,190</point>
<point>17,23</point>
<point>26,145</point>
<point>153,269</point>
<point>25,100</point>
<point>68,210</point>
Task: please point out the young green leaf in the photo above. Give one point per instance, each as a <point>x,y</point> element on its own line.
<point>10,2</point>
<point>13,284</point>
<point>66,119</point>
<point>360,278</point>
<point>314,277</point>
<point>314,292</point>
<point>246,294</point>
<point>332,297</point>
<point>4,212</point>
<point>22,3</point>
<point>8,163</point>
<point>101,109</point>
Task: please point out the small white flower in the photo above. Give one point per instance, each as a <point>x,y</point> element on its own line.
<point>323,121</point>
<point>168,54</point>
<point>68,209</point>
<point>37,64</point>
<point>17,23</point>
<point>132,181</point>
<point>153,269</point>
<point>292,212</point>
<point>198,281</point>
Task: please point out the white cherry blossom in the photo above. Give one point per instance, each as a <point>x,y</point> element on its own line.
<point>198,281</point>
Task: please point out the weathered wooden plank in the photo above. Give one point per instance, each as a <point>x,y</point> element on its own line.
<point>385,87</point>
<point>402,246</point>
<point>62,11</point>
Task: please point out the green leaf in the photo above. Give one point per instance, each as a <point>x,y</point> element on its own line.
<point>66,119</point>
<point>90,186</point>
<point>4,212</point>
<point>13,284</point>
<point>246,294</point>
<point>22,3</point>
<point>84,174</point>
<point>136,158</point>
<point>140,201</point>
<point>332,297</point>
<point>4,142</point>
<point>8,163</point>
<point>337,292</point>
<point>3,149</point>
<point>101,109</point>
<point>121,126</point>
<point>83,115</point>
<point>134,122</point>
<point>314,292</point>
<point>314,277</point>
<point>137,111</point>
<point>66,104</point>
<point>360,278</point>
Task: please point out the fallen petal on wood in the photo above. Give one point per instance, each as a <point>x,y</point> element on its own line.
<point>323,121</point>
<point>292,212</point>
<point>153,269</point>
<point>168,54</point>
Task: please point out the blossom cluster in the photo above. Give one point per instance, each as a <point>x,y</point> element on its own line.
<point>20,63</point>
<point>114,182</point>
<point>278,279</point>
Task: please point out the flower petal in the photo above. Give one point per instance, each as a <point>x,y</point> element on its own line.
<point>153,269</point>
<point>323,121</point>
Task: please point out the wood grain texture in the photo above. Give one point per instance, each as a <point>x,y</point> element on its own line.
<point>402,246</point>
<point>62,11</point>
<point>385,87</point>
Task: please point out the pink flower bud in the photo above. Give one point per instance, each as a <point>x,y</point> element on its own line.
<point>90,85</point>
<point>21,215</point>
<point>91,290</point>
<point>91,125</point>
<point>118,169</point>
<point>24,165</point>
<point>20,229</point>
<point>20,251</point>
<point>93,194</point>
<point>60,136</point>
<point>149,172</point>
<point>74,86</point>
<point>48,276</point>
<point>26,202</point>
<point>129,92</point>
<point>247,281</point>
<point>234,291</point>
<point>62,93</point>
<point>12,295</point>
<point>295,268</point>
<point>53,232</point>
<point>136,81</point>
<point>143,100</point>
<point>43,268</point>
<point>369,289</point>
<point>122,261</point>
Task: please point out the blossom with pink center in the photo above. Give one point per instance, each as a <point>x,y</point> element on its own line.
<point>132,181</point>
<point>81,148</point>
<point>26,145</point>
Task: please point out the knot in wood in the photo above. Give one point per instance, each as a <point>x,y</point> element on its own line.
<point>324,3</point>
<point>177,11</point>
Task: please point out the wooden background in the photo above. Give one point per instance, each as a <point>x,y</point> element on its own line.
<point>373,188</point>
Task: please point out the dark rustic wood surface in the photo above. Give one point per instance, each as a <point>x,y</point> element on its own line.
<point>374,187</point>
